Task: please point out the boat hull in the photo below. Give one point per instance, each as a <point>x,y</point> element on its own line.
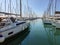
<point>13,31</point>
<point>47,22</point>
<point>56,23</point>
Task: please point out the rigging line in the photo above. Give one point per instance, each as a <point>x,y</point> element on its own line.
<point>8,9</point>
<point>27,7</point>
<point>50,5</point>
<point>20,8</point>
<point>0,6</point>
<point>52,8</point>
<point>10,5</point>
<point>5,5</point>
<point>16,6</point>
<point>55,4</point>
<point>48,12</point>
<point>14,9</point>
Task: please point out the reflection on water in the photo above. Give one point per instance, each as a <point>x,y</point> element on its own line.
<point>37,34</point>
<point>17,39</point>
<point>53,34</point>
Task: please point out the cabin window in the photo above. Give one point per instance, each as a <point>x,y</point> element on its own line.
<point>20,23</point>
<point>10,33</point>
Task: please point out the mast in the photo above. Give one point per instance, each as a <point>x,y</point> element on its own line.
<point>10,6</point>
<point>16,8</point>
<point>28,10</point>
<point>20,8</point>
<point>55,4</point>
<point>49,7</point>
<point>50,2</point>
<point>5,5</point>
<point>0,6</point>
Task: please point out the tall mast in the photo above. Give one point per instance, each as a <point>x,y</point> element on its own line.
<point>28,10</point>
<point>16,7</point>
<point>5,5</point>
<point>0,6</point>
<point>20,8</point>
<point>55,4</point>
<point>10,6</point>
<point>49,7</point>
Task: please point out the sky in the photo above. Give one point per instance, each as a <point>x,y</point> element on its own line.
<point>13,6</point>
<point>37,6</point>
<point>58,5</point>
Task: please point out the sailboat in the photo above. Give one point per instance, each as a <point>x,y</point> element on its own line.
<point>11,26</point>
<point>47,18</point>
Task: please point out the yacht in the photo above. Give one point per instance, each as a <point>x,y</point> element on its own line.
<point>56,20</point>
<point>10,27</point>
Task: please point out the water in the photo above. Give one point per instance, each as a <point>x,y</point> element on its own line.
<point>36,34</point>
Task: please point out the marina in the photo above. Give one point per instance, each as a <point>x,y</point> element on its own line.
<point>27,23</point>
<point>36,34</point>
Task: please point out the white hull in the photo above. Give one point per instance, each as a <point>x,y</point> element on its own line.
<point>13,31</point>
<point>47,21</point>
<point>56,24</point>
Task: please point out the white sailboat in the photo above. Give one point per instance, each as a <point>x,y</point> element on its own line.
<point>47,18</point>
<point>11,26</point>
